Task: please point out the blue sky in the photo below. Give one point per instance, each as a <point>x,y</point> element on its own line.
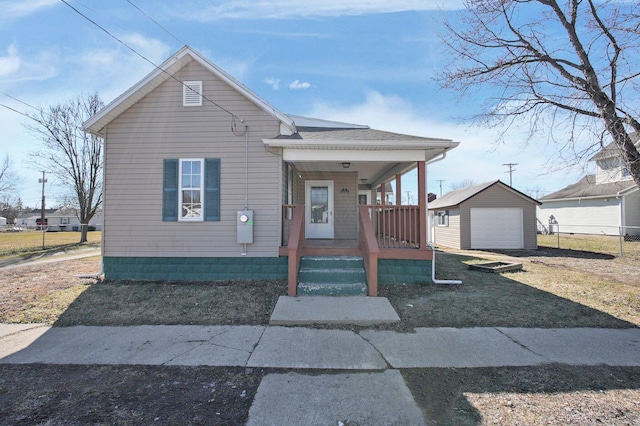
<point>362,61</point>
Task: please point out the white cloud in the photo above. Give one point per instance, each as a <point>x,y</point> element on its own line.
<point>290,9</point>
<point>153,49</point>
<point>11,63</point>
<point>16,68</point>
<point>298,85</point>
<point>273,82</point>
<point>12,10</point>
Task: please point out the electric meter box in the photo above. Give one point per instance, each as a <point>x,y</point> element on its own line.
<point>245,227</point>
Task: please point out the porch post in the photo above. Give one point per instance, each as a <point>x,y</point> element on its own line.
<point>399,190</point>
<point>422,203</point>
<point>383,193</point>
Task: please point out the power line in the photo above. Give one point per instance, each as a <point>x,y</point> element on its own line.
<point>155,22</point>
<point>511,170</point>
<point>145,58</point>
<point>76,130</point>
<point>440,181</point>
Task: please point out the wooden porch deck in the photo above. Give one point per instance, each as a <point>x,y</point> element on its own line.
<point>352,248</point>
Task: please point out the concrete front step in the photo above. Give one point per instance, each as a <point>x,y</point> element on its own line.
<point>332,276</point>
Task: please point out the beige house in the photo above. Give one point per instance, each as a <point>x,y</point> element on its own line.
<point>204,180</point>
<point>491,215</point>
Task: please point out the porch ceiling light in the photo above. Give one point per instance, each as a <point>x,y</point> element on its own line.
<point>363,180</point>
<point>346,165</point>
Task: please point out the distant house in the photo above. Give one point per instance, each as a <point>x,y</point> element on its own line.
<point>204,180</point>
<point>598,203</point>
<point>491,215</point>
<point>56,220</point>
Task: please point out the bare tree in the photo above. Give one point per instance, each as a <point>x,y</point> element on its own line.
<point>8,180</point>
<point>70,155</point>
<point>462,184</point>
<point>558,64</point>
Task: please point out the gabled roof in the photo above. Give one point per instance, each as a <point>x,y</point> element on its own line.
<point>587,188</point>
<point>164,72</point>
<point>612,149</point>
<point>459,196</point>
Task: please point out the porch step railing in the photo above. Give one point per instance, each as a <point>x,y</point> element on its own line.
<point>294,214</point>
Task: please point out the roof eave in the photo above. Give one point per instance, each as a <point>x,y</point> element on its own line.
<point>396,144</point>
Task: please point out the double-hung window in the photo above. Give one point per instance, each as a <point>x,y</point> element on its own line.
<point>191,187</point>
<point>191,190</point>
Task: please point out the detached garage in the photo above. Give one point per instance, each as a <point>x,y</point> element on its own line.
<point>491,215</point>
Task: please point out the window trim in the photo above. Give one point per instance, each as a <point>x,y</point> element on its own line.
<point>442,218</point>
<point>182,218</point>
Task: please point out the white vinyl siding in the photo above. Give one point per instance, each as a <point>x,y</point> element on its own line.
<point>158,127</point>
<point>587,216</point>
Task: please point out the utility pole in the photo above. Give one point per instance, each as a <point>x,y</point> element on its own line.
<point>511,170</point>
<point>408,198</point>
<point>42,218</point>
<point>440,181</point>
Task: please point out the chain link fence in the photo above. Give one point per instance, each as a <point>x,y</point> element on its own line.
<point>616,240</point>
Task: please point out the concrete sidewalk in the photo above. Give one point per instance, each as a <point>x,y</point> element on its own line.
<point>365,363</point>
<point>310,348</point>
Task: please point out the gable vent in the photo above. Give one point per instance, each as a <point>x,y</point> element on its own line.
<point>192,93</point>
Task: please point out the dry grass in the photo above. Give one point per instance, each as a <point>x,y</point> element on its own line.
<point>41,293</point>
<point>27,243</point>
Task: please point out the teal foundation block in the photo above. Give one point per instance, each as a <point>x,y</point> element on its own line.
<point>395,271</point>
<point>195,268</point>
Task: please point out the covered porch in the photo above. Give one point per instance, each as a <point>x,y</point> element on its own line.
<point>336,199</point>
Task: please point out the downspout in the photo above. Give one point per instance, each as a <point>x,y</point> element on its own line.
<point>104,173</point>
<point>433,259</point>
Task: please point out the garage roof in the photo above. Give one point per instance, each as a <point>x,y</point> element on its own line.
<point>459,196</point>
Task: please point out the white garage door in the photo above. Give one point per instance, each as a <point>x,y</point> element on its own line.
<point>496,228</point>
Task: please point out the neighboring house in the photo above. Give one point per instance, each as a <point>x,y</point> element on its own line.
<point>204,180</point>
<point>599,203</point>
<point>31,219</point>
<point>58,220</point>
<point>491,215</point>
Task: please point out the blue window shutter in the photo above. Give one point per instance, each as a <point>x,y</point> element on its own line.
<point>170,191</point>
<point>212,189</point>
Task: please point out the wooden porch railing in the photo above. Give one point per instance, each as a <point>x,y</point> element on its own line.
<point>396,227</point>
<point>293,221</point>
<point>370,250</point>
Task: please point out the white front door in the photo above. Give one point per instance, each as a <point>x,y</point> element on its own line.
<point>319,209</point>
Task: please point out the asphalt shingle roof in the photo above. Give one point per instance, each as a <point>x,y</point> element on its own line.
<point>586,187</point>
<point>325,133</point>
<point>459,196</point>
